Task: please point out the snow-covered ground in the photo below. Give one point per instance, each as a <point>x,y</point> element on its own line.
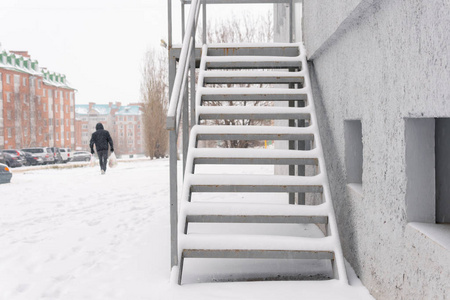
<point>75,234</point>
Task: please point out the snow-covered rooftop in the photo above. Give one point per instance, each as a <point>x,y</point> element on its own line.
<point>129,110</point>
<point>24,64</point>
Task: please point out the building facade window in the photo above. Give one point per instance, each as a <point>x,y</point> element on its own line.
<point>8,97</point>
<point>8,115</point>
<point>24,81</point>
<point>9,132</point>
<point>8,79</point>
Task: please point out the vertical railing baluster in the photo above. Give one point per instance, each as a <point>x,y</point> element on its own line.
<point>192,78</point>
<point>204,23</point>
<point>185,125</point>
<point>173,199</point>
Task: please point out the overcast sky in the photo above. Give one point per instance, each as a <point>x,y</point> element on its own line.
<point>98,44</point>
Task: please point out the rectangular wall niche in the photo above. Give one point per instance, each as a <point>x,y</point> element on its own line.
<point>428,170</point>
<point>353,151</point>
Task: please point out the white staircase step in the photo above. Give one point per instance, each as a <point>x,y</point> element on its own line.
<point>253,156</point>
<point>210,132</point>
<point>252,62</point>
<point>252,112</point>
<point>255,242</point>
<point>245,209</point>
<point>251,49</point>
<point>234,183</point>
<point>246,94</point>
<point>251,77</point>
<point>253,213</point>
<point>253,246</point>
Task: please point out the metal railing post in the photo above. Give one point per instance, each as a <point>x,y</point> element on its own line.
<point>183,21</point>
<point>291,22</point>
<point>173,199</point>
<point>204,22</point>
<point>185,126</point>
<point>169,25</point>
<point>192,78</point>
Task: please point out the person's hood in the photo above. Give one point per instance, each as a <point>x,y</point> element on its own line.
<point>99,126</point>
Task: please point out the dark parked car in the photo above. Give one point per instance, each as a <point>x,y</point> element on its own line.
<point>81,156</point>
<point>18,156</point>
<point>33,159</point>
<point>13,160</point>
<point>56,155</point>
<point>5,174</point>
<point>44,152</point>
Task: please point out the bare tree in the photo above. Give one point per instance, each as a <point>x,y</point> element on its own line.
<point>154,95</point>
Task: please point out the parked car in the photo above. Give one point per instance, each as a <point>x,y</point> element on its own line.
<point>33,159</point>
<point>2,158</point>
<point>56,155</point>
<point>65,154</point>
<point>12,159</point>
<point>5,174</point>
<point>81,156</point>
<point>17,155</point>
<point>44,152</point>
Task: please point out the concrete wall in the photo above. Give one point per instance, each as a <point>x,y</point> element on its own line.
<point>382,62</point>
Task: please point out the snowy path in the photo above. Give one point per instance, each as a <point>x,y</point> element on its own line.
<point>74,234</point>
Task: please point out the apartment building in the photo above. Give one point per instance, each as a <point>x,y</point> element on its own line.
<point>123,122</point>
<point>36,105</point>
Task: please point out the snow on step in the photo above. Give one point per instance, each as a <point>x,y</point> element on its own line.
<point>251,62</point>
<point>211,132</point>
<point>258,182</point>
<point>247,76</point>
<point>245,209</point>
<point>251,91</point>
<point>252,58</point>
<point>249,94</point>
<point>252,112</point>
<point>252,153</point>
<point>252,49</point>
<point>242,129</point>
<point>255,242</point>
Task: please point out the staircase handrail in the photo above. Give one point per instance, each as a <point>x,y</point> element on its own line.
<point>175,104</point>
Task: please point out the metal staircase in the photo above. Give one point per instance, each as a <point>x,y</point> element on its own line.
<point>256,246</point>
<point>281,72</point>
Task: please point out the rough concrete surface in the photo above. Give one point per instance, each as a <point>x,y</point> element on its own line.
<point>389,63</point>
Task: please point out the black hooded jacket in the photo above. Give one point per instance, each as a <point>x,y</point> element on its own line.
<point>101,138</point>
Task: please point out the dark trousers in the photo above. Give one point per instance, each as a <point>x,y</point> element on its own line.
<point>102,158</point>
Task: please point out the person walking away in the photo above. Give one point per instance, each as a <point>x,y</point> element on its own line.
<point>101,138</point>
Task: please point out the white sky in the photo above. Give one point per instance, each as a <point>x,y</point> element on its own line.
<point>99,45</point>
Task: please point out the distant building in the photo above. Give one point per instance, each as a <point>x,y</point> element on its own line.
<point>123,122</point>
<point>36,106</point>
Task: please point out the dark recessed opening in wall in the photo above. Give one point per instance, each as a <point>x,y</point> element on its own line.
<point>442,162</point>
<point>353,151</point>
<point>428,170</point>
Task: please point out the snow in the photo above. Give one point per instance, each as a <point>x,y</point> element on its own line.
<point>75,234</point>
